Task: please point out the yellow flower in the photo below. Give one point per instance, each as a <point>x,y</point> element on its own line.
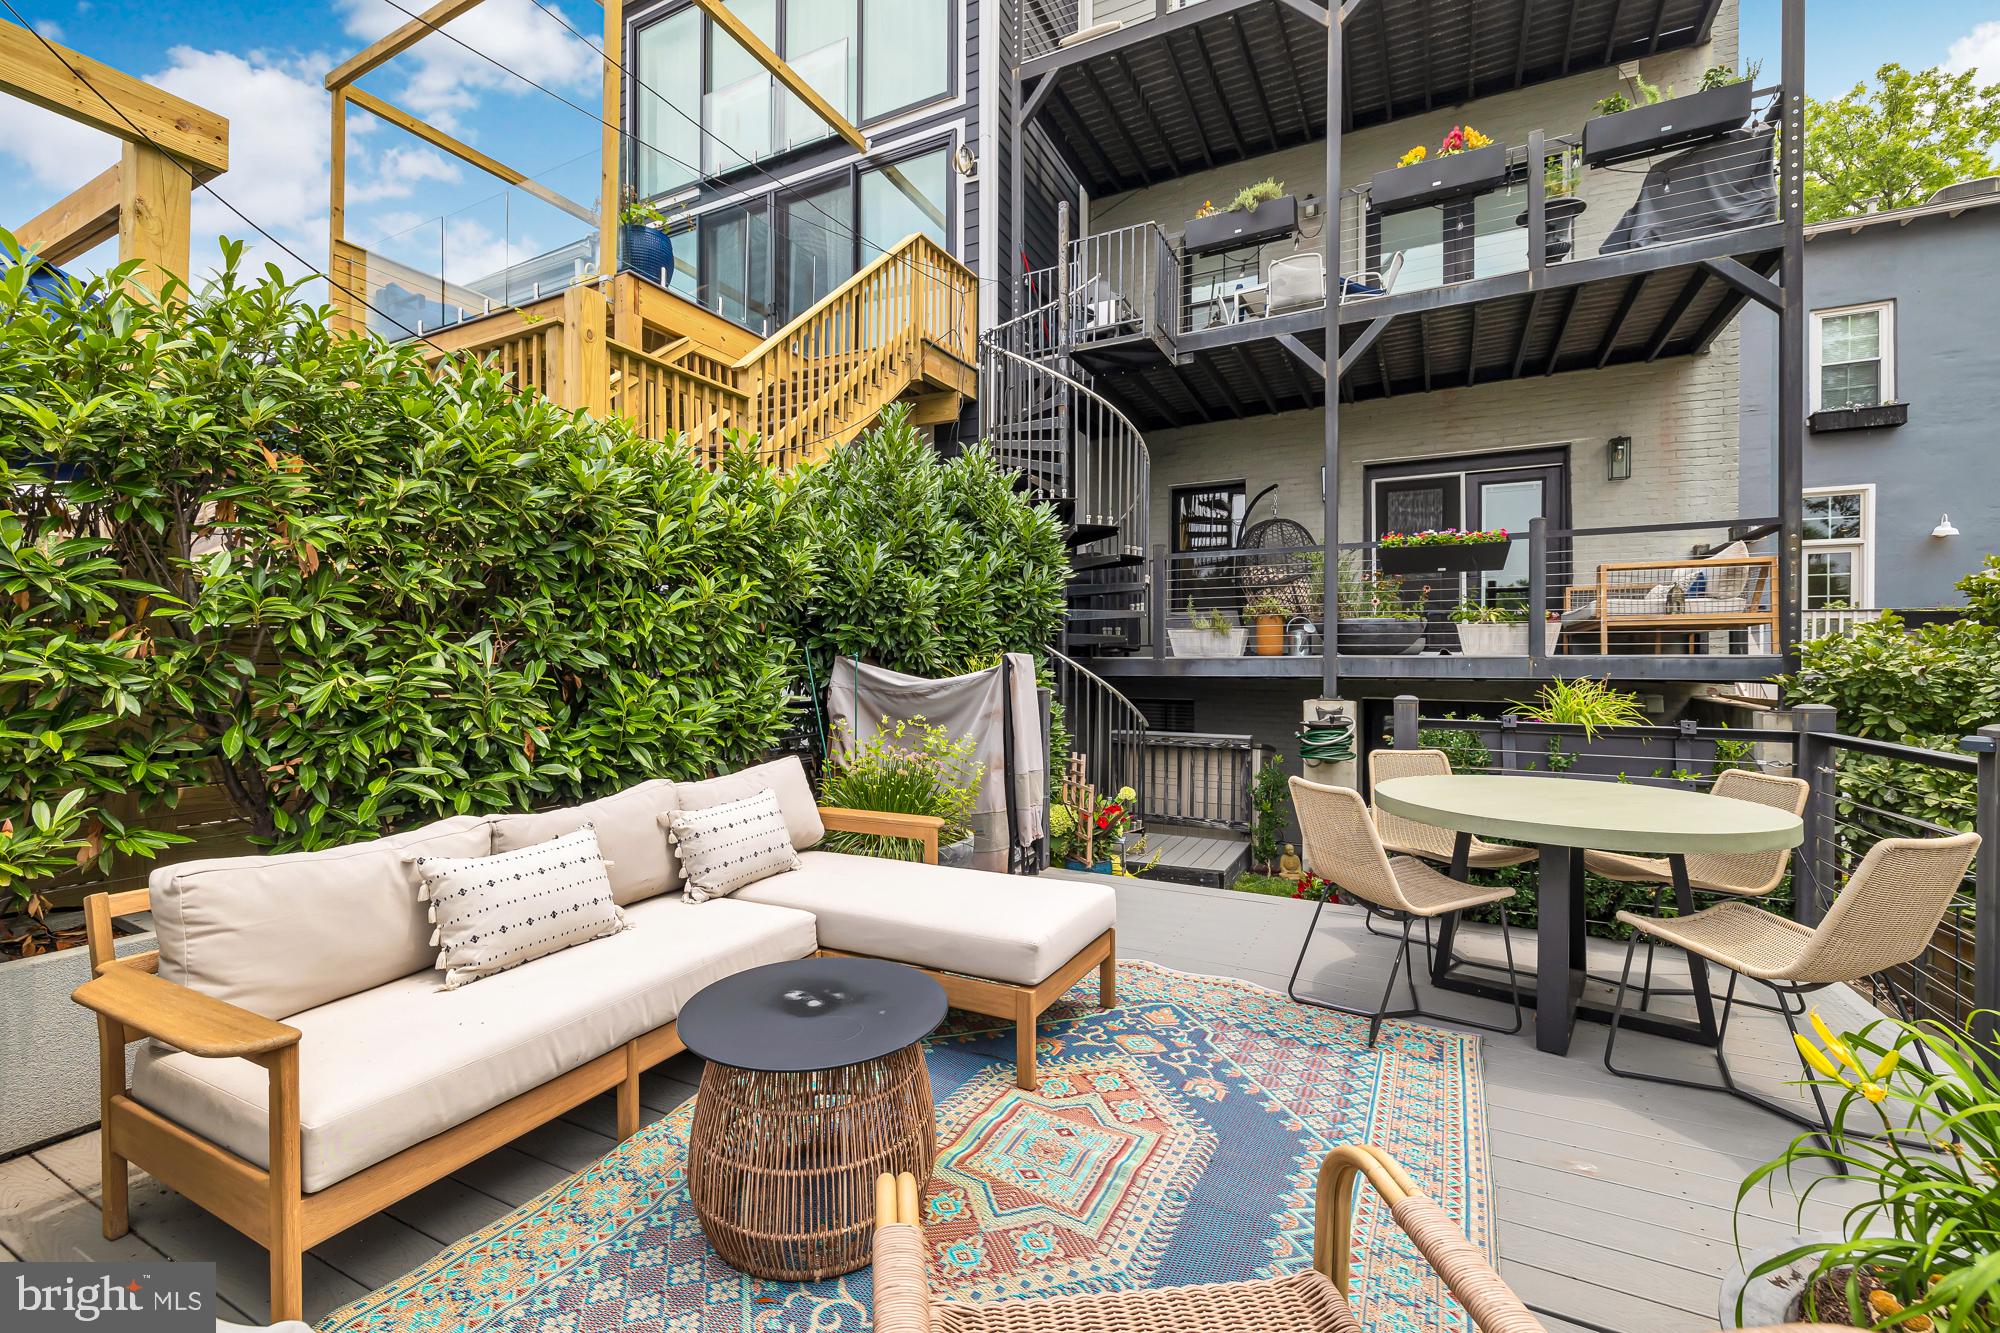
<point>1474,139</point>
<point>1874,1092</point>
<point>1414,156</point>
<point>1815,1057</point>
<point>1835,1047</point>
<point>1886,1065</point>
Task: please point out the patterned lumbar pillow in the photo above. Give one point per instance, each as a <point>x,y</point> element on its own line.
<point>497,912</point>
<point>727,846</point>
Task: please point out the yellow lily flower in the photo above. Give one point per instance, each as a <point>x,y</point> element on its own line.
<point>1886,1065</point>
<point>1874,1092</point>
<point>1834,1045</point>
<point>1817,1058</point>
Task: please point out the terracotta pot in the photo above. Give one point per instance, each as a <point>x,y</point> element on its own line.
<point>1268,636</point>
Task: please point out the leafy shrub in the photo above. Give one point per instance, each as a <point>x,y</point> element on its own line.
<point>354,591</point>
<point>1585,703</point>
<point>927,566</point>
<point>1468,754</point>
<point>911,768</point>
<point>1270,809</point>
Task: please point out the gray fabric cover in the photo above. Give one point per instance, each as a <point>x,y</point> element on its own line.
<point>1719,186</point>
<point>863,696</point>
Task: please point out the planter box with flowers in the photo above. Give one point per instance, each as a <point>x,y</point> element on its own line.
<point>1450,551</point>
<point>1258,215</point>
<point>1466,163</point>
<point>1622,132</point>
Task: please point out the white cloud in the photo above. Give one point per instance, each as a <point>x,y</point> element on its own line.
<point>398,172</point>
<point>442,77</point>
<point>1978,49</point>
<point>50,29</point>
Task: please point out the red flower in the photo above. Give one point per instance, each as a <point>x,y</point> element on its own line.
<point>1102,822</point>
<point>1114,810</point>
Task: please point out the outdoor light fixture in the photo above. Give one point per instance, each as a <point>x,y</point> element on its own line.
<point>965,160</point>
<point>1944,528</point>
<point>1618,458</point>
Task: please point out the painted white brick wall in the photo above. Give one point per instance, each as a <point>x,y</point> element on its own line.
<point>1681,415</point>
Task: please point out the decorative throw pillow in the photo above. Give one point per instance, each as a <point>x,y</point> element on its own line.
<point>727,846</point>
<point>497,912</point>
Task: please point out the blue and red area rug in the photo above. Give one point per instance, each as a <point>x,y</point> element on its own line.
<point>1175,1140</point>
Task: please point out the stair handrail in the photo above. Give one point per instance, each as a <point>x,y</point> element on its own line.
<point>1130,476</point>
<point>1110,726</point>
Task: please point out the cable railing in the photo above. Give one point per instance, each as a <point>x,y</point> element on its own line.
<point>1103,726</point>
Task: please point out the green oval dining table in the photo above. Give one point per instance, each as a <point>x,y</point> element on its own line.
<point>1562,817</point>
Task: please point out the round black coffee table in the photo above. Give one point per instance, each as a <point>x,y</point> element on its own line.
<point>815,1085</point>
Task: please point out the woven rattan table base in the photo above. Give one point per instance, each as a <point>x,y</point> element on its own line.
<point>782,1166</point>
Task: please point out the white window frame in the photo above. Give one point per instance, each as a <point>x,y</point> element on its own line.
<point>1887,326</point>
<point>1863,548</point>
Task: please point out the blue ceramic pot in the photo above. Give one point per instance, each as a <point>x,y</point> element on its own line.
<point>647,251</point>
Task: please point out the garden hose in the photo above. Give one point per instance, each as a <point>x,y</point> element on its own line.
<point>1327,742</point>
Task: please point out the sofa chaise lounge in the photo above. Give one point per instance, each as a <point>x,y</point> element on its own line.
<point>303,1066</point>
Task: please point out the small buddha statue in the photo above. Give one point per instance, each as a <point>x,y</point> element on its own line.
<point>1288,864</point>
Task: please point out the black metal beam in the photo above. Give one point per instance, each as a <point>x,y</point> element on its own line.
<point>1527,331</point>
<point>1569,37</point>
<point>1296,367</point>
<point>1304,354</point>
<point>1521,44</point>
<point>1369,336</point>
<point>1696,281</point>
<point>1653,33</point>
<point>1222,390</point>
<point>1315,14</point>
<point>1076,136</point>
<point>1689,667</point>
<point>1292,84</point>
<point>1256,377</point>
<point>1611,334</point>
<point>1472,348</point>
<point>1089,75</point>
<point>1347,9</point>
<point>1759,289</point>
<point>1611,30</point>
<point>1424,350</point>
<point>1134,34</point>
<point>1140,100</point>
<point>1388,75</point>
<point>1717,321</point>
<point>1424,29</point>
<point>1562,330</point>
<point>1036,98</point>
<point>1707,23</point>
<point>1382,369</point>
<point>1250,72</point>
<point>1236,138</point>
<point>1329,669</point>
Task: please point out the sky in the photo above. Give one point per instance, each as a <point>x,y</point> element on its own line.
<point>262,66</point>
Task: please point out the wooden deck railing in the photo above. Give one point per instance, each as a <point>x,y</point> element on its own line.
<point>904,324</point>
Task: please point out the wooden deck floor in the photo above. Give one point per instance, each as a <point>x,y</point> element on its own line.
<point>1613,1198</point>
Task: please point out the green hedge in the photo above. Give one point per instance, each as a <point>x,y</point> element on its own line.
<point>359,592</point>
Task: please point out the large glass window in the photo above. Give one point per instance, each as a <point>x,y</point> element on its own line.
<point>821,43</point>
<point>669,149</point>
<point>1836,545</point>
<point>819,245</point>
<point>737,106</point>
<point>906,56</point>
<point>1853,359</point>
<point>736,266</point>
<point>902,198</point>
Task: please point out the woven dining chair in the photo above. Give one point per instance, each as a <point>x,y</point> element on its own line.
<point>1314,1300</point>
<point>1885,917</point>
<point>1343,848</point>
<point>1410,837</point>
<point>1739,875</point>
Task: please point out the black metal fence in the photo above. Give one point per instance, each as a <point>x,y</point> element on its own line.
<point>1862,790</point>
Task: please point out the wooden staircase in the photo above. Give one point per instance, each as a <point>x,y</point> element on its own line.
<point>902,329</point>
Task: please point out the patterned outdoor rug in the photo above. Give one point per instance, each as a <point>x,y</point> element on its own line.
<point>1175,1140</point>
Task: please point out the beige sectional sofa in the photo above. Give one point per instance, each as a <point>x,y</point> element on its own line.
<point>304,1065</point>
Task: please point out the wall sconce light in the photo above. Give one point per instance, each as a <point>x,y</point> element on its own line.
<point>965,160</point>
<point>1944,528</point>
<point>1618,458</point>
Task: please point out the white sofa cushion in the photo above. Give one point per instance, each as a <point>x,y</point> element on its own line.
<point>280,934</point>
<point>727,846</point>
<point>392,1066</point>
<point>1002,927</point>
<point>786,777</point>
<point>497,912</point>
<point>636,853</point>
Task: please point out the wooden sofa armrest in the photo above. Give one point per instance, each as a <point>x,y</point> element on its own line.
<point>184,1019</point>
<point>887,824</point>
<point>902,1291</point>
<point>1467,1275</point>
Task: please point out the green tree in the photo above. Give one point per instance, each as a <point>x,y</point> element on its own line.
<point>1897,143</point>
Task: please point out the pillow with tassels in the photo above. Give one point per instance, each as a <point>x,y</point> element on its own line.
<point>497,912</point>
<point>726,846</point>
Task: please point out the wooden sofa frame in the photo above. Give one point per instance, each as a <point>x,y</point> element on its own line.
<point>1760,605</point>
<point>133,1003</point>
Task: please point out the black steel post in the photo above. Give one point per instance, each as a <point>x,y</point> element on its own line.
<point>1329,659</point>
<point>1816,869</point>
<point>1156,601</point>
<point>1538,207</point>
<point>1404,727</point>
<point>1986,915</point>
<point>1538,592</point>
<point>1792,333</point>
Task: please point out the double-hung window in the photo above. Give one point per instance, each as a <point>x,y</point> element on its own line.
<point>1839,571</point>
<point>1853,357</point>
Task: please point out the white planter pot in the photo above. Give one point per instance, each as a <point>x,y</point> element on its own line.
<point>48,1046</point>
<point>957,853</point>
<point>1768,1300</point>
<point>1504,640</point>
<point>1202,643</point>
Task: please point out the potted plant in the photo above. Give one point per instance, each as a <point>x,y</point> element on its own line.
<point>1623,130</point>
<point>912,768</point>
<point>1452,550</point>
<point>1259,213</point>
<point>1091,835</point>
<point>1560,206</point>
<point>1465,163</point>
<point>1374,621</point>
<point>1207,634</point>
<point>1916,1253</point>
<point>645,245</point>
<point>1267,615</point>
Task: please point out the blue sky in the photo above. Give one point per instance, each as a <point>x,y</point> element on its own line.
<point>261,64</point>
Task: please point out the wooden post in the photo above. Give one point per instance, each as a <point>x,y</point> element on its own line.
<point>1816,876</point>
<point>152,215</point>
<point>609,198</point>
<point>286,1241</point>
<point>586,365</point>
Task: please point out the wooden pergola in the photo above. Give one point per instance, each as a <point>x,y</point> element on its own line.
<point>170,146</point>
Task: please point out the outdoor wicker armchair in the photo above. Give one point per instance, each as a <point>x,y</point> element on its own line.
<point>1884,918</point>
<point>1409,837</point>
<point>1343,848</point>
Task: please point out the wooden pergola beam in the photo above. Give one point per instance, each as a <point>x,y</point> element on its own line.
<point>138,113</point>
<point>720,15</point>
<point>387,48</point>
<point>465,152</point>
<point>76,224</point>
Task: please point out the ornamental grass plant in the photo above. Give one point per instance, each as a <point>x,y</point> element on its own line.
<point>907,767</point>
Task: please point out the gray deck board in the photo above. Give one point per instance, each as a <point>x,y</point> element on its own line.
<point>1614,1200</point>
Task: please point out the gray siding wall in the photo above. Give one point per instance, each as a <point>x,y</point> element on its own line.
<point>1943,273</point>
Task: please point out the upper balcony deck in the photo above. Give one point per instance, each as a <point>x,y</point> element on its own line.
<point>1136,92</point>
